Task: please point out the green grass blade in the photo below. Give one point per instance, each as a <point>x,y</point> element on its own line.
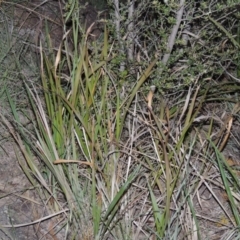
<point>159,218</point>
<point>220,161</point>
<point>113,207</point>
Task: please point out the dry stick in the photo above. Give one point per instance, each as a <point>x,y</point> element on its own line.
<point>130,37</point>
<point>172,37</point>
<point>34,222</point>
<point>117,26</point>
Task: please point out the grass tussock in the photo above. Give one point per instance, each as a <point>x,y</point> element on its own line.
<point>122,166</point>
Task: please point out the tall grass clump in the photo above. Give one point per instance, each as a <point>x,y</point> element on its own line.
<point>117,166</point>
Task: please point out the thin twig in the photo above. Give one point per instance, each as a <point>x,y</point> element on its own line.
<point>34,222</point>
<point>172,37</point>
